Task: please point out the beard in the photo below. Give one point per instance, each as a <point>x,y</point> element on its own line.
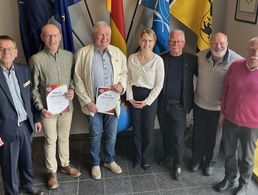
<point>219,54</point>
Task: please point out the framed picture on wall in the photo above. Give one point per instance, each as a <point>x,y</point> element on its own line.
<point>246,11</point>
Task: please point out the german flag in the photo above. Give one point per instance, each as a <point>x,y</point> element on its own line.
<point>115,8</point>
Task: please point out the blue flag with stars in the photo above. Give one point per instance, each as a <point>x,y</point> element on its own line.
<point>161,25</point>
<point>61,14</point>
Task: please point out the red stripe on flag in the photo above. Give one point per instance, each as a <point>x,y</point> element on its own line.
<point>117,15</point>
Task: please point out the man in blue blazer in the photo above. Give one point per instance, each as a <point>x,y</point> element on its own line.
<point>17,121</point>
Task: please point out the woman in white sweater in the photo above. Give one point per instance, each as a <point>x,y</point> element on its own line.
<point>145,81</point>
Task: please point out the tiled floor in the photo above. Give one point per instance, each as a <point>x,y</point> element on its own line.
<point>156,181</point>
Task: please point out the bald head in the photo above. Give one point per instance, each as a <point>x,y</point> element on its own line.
<point>51,36</point>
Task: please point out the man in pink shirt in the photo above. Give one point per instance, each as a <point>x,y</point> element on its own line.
<point>239,111</point>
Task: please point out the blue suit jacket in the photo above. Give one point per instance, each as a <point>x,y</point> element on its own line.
<point>8,114</point>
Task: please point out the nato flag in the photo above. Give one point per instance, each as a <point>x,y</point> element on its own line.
<point>161,25</point>
<point>33,15</point>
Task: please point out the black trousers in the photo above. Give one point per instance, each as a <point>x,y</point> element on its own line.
<point>17,155</point>
<point>206,136</point>
<point>172,121</point>
<point>143,124</point>
<point>232,135</point>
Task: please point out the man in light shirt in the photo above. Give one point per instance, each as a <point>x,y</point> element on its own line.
<point>50,67</point>
<point>100,65</point>
<point>213,64</point>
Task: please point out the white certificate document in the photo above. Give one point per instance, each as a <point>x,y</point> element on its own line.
<point>56,100</point>
<point>106,100</point>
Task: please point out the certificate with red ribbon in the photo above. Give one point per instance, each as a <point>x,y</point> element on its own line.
<point>106,100</point>
<point>56,100</point>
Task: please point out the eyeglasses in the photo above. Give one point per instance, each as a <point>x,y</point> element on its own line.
<point>47,36</point>
<point>218,44</point>
<point>9,49</point>
<point>174,41</point>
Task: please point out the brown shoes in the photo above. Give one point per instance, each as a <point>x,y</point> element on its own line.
<point>52,178</point>
<point>73,172</point>
<point>52,181</point>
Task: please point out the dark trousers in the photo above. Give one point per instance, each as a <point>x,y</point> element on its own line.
<point>172,121</point>
<point>143,124</point>
<point>247,137</point>
<point>17,154</point>
<point>206,135</point>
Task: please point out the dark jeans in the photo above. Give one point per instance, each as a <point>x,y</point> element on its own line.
<point>17,155</point>
<point>206,135</point>
<point>143,124</point>
<point>172,121</point>
<point>247,137</point>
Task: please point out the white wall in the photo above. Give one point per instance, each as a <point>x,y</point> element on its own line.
<point>223,20</point>
<point>239,32</point>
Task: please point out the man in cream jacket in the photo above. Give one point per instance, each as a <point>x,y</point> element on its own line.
<point>100,65</point>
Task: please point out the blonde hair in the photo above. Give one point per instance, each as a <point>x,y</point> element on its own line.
<point>150,32</point>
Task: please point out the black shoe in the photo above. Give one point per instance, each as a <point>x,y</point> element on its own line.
<point>32,191</point>
<point>146,166</point>
<point>136,165</point>
<point>165,161</point>
<point>208,171</point>
<point>224,185</point>
<point>241,190</point>
<point>177,173</point>
<point>195,167</point>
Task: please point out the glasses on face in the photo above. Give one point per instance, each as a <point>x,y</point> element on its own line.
<point>48,36</point>
<point>176,42</point>
<point>9,49</point>
<point>222,44</point>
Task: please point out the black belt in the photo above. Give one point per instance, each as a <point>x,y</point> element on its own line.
<point>22,123</point>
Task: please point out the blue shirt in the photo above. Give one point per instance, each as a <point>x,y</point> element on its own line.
<point>14,88</point>
<point>102,70</point>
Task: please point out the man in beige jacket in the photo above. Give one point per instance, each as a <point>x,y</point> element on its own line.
<point>100,65</point>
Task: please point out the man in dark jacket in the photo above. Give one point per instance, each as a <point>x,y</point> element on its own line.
<point>176,99</point>
<point>17,121</point>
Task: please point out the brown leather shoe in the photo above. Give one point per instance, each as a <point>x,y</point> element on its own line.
<point>73,172</point>
<point>52,181</point>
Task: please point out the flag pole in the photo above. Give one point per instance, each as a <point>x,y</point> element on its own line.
<point>87,7</point>
<point>131,24</point>
<point>78,38</point>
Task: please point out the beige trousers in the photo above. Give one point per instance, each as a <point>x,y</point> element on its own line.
<point>57,132</point>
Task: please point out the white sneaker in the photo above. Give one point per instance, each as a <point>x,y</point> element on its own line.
<point>95,172</point>
<point>115,168</point>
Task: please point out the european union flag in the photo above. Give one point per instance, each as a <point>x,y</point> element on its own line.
<point>62,15</point>
<point>33,15</point>
<point>161,25</point>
